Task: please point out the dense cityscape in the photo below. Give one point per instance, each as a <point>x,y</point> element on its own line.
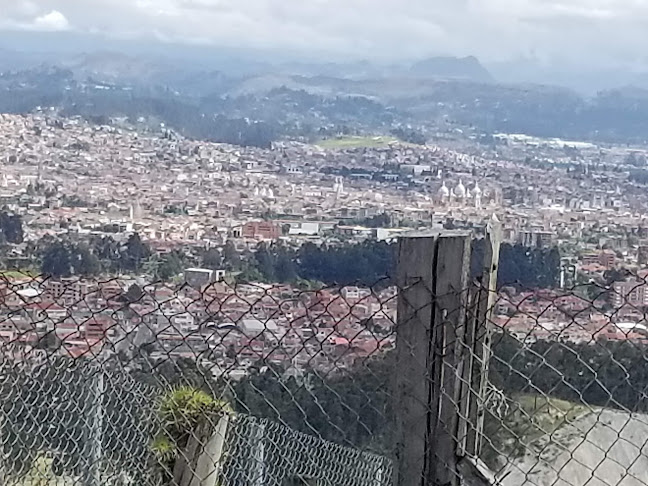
<point>137,208</point>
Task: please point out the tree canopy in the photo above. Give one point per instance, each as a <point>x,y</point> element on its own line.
<point>64,259</point>
<point>373,262</point>
<point>11,227</point>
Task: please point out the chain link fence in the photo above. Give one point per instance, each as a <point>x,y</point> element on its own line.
<point>108,382</point>
<point>567,401</point>
<point>117,382</point>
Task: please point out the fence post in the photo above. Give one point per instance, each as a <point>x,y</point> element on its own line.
<point>259,455</point>
<point>432,356</point>
<point>94,449</point>
<point>479,344</point>
<point>201,462</point>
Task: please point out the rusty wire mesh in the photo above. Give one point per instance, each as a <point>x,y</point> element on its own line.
<point>305,377</point>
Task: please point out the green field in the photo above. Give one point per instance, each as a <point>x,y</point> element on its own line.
<point>356,142</point>
<point>18,274</point>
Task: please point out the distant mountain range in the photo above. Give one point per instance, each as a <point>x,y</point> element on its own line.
<point>20,50</point>
<point>189,88</point>
<point>139,64</point>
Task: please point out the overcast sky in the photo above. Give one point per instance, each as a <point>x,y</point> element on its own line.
<point>598,31</point>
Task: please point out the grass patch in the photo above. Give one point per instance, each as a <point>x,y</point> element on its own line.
<point>16,274</point>
<point>356,142</point>
<point>528,424</point>
<point>545,414</point>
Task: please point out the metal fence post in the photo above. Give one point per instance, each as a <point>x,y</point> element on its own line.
<point>209,464</point>
<point>201,463</point>
<point>432,356</point>
<point>95,437</point>
<point>259,456</point>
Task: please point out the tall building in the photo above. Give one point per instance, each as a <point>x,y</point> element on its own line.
<point>633,293</point>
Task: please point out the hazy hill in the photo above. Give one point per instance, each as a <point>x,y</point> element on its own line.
<point>110,66</point>
<point>452,67</point>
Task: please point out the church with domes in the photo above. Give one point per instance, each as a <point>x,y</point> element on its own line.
<point>460,195</point>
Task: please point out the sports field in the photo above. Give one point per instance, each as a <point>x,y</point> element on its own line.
<point>356,142</point>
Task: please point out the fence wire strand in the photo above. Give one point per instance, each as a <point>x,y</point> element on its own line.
<point>106,382</point>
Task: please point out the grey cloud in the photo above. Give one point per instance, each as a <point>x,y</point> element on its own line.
<point>576,30</point>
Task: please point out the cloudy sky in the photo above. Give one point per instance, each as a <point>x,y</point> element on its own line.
<point>599,31</point>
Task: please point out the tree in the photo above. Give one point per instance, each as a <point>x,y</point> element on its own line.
<point>378,221</point>
<point>265,262</point>
<point>108,251</point>
<point>11,227</point>
<point>285,269</point>
<point>212,259</point>
<point>349,409</point>
<point>522,266</point>
<point>411,136</point>
<point>615,275</point>
<point>136,252</point>
<point>84,262</point>
<point>367,263</point>
<point>231,257</point>
<point>170,267</point>
<point>134,293</point>
<point>610,373</point>
<point>63,259</point>
<point>636,160</point>
<point>57,260</point>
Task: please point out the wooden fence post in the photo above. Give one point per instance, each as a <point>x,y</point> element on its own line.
<point>475,377</point>
<point>415,281</point>
<point>433,357</point>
